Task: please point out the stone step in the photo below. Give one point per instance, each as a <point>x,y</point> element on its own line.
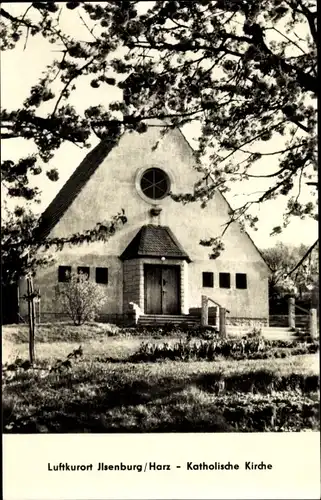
<point>162,325</point>
<point>156,323</point>
<point>271,332</point>
<point>269,329</point>
<point>168,317</point>
<point>297,325</point>
<point>161,319</point>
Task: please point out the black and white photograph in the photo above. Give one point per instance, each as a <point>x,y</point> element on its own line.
<point>159,234</point>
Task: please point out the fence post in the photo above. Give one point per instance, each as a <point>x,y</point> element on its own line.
<point>313,328</point>
<point>204,315</point>
<point>291,312</point>
<point>31,317</point>
<point>222,322</point>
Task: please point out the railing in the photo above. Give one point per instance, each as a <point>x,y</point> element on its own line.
<point>217,304</point>
<point>20,318</point>
<point>313,320</point>
<point>301,308</point>
<point>220,314</point>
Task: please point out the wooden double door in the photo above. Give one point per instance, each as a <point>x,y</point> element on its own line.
<point>162,289</point>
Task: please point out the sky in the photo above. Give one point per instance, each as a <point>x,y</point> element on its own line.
<point>21,68</point>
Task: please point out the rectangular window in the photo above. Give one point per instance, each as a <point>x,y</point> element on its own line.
<point>64,273</point>
<point>225,280</point>
<point>83,270</point>
<point>241,281</point>
<point>208,280</point>
<point>102,275</point>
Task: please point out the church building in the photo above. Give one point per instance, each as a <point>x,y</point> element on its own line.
<point>154,264</point>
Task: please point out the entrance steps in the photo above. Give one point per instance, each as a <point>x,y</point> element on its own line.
<point>270,333</point>
<point>173,319</point>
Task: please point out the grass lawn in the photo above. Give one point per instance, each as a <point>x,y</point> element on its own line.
<point>58,340</point>
<point>104,392</point>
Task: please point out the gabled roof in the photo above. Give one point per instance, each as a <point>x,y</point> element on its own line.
<point>73,186</point>
<point>154,241</point>
<point>78,180</point>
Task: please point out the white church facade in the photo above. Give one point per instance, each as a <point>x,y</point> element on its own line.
<point>154,262</point>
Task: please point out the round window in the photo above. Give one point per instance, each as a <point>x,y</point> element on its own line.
<point>154,183</point>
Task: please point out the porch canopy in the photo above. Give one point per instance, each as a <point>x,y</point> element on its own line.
<point>154,241</point>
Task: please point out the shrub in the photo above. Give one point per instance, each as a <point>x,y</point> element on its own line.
<point>80,298</point>
<point>255,333</point>
<point>245,348</point>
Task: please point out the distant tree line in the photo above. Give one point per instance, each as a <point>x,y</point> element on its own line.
<point>295,272</point>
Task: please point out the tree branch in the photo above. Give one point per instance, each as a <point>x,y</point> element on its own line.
<point>287,38</point>
<point>299,124</point>
<point>14,19</point>
<point>310,16</point>
<point>281,151</point>
<point>9,136</point>
<point>307,81</point>
<point>184,47</point>
<point>303,258</point>
<point>79,71</point>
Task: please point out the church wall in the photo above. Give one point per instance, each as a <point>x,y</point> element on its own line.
<point>114,187</point>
